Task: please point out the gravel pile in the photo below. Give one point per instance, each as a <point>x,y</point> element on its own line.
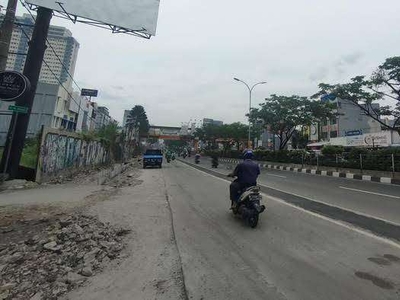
<point>56,257</point>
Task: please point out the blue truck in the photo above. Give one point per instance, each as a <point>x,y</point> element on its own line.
<point>152,157</point>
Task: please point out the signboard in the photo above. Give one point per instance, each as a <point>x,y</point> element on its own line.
<point>353,132</point>
<point>18,109</point>
<point>380,139</point>
<point>89,92</point>
<point>356,140</point>
<point>136,15</point>
<point>13,85</point>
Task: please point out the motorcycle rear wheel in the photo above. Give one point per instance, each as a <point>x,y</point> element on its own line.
<point>253,221</point>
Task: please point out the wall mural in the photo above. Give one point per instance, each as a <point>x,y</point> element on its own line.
<point>61,151</point>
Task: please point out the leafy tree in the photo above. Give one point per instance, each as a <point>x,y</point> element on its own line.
<point>230,133</point>
<point>137,118</point>
<point>384,83</point>
<point>108,135</point>
<point>235,132</point>
<point>209,134</point>
<point>282,114</point>
<point>299,139</point>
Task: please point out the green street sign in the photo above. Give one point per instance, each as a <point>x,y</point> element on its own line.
<point>18,109</point>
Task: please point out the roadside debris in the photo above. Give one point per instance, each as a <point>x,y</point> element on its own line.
<point>45,258</point>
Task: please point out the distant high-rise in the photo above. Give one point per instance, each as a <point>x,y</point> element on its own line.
<point>60,39</point>
<point>212,122</point>
<point>125,119</point>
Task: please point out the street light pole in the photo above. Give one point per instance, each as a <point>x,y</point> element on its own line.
<point>250,94</point>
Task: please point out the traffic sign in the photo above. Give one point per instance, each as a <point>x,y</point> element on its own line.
<point>89,92</point>
<point>18,109</point>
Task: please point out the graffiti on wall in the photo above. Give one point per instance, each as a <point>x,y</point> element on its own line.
<point>61,151</point>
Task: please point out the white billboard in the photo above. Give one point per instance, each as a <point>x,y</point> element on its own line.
<point>135,15</point>
<point>382,139</point>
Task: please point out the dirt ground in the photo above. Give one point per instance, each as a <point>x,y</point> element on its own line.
<point>109,220</point>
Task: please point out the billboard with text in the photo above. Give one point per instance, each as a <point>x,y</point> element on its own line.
<point>137,15</point>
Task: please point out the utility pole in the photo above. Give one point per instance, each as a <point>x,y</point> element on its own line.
<point>33,65</point>
<point>6,32</point>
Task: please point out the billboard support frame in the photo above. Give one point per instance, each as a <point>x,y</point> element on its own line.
<point>75,19</point>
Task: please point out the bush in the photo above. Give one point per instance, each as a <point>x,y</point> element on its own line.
<point>333,156</point>
<point>30,153</point>
<point>332,150</point>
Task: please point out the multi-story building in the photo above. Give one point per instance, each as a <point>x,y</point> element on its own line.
<point>207,121</point>
<point>55,104</point>
<point>62,63</point>
<point>49,110</point>
<point>125,119</point>
<point>349,120</point>
<point>101,116</point>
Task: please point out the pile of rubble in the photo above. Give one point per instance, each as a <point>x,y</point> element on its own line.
<point>57,256</point>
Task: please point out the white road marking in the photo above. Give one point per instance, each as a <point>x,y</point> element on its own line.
<point>368,192</point>
<point>342,224</point>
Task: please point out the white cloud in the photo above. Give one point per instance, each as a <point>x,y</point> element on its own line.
<point>186,70</point>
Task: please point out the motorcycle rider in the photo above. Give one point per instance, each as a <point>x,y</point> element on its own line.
<point>247,173</point>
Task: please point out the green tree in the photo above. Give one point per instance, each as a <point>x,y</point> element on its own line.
<point>209,134</point>
<point>230,133</point>
<point>384,83</point>
<point>282,114</point>
<point>137,118</point>
<point>235,132</point>
<point>108,136</point>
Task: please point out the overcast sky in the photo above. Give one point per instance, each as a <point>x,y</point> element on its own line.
<point>186,71</point>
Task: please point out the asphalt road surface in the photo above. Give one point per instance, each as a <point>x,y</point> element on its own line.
<point>374,199</point>
<point>292,254</point>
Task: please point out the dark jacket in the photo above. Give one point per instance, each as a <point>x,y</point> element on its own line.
<point>247,172</point>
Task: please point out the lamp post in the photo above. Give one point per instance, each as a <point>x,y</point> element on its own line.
<point>250,92</point>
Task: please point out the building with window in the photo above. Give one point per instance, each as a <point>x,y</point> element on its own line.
<point>61,63</point>
<point>55,104</point>
<point>349,120</point>
<point>207,121</point>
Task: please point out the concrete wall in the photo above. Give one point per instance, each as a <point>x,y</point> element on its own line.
<point>62,152</point>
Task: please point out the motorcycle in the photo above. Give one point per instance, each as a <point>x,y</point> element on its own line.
<point>214,162</point>
<point>249,205</point>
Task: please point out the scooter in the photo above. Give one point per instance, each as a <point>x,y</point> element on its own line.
<point>249,205</point>
<point>214,162</point>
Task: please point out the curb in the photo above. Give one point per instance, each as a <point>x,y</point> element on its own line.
<point>323,173</point>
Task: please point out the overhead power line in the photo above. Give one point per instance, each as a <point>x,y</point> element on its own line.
<point>59,81</point>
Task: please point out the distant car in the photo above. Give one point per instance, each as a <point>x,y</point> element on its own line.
<point>152,157</point>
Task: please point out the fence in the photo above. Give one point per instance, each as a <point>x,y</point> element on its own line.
<point>64,151</point>
<point>367,161</point>
<point>357,159</point>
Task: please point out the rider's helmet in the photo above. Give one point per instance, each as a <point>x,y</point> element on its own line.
<point>248,154</point>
